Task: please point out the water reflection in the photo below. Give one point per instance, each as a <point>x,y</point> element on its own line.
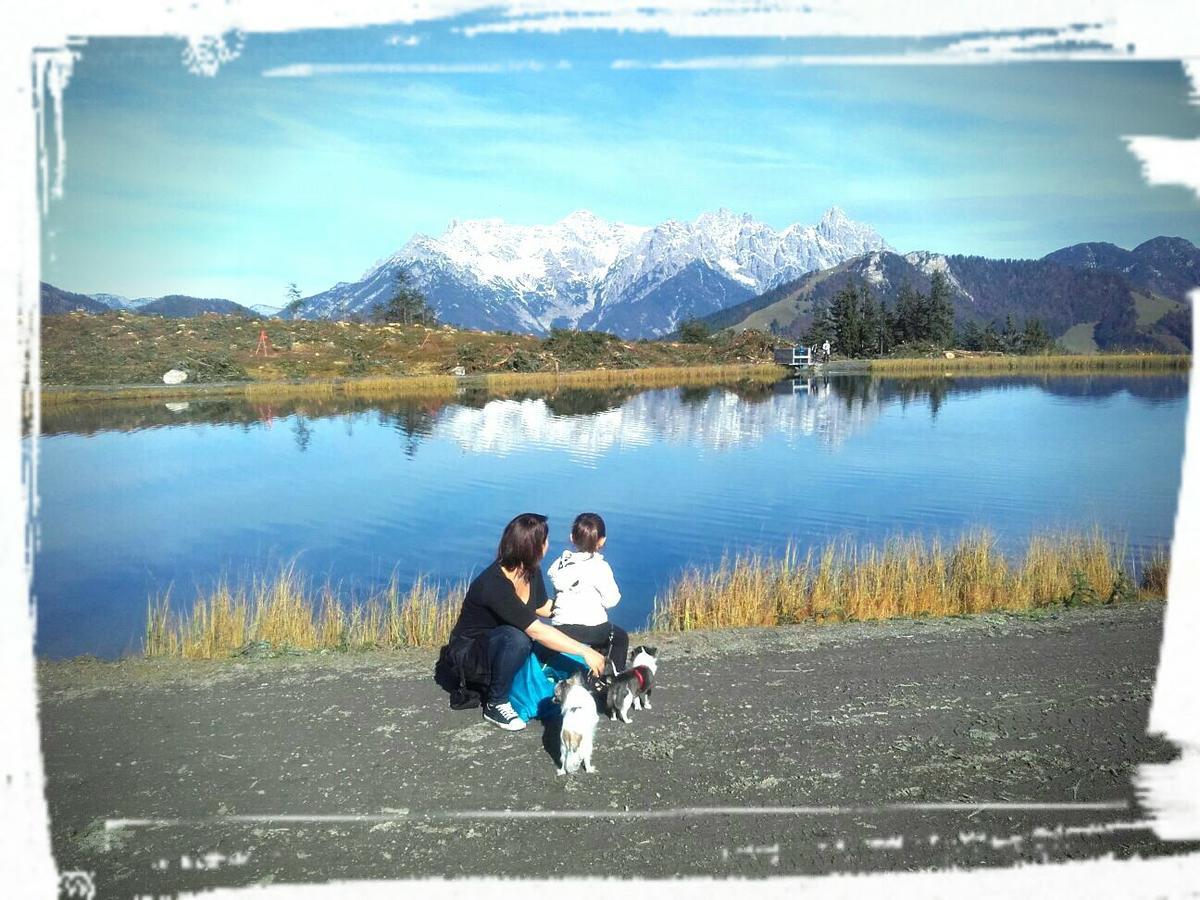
<point>358,489</point>
<point>589,422</point>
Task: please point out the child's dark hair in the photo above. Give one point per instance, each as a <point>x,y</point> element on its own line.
<point>587,531</point>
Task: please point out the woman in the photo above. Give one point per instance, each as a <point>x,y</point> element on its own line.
<point>498,623</point>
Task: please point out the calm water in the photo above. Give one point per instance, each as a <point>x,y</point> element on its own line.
<point>136,498</point>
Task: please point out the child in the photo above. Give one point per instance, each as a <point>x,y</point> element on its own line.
<point>586,590</point>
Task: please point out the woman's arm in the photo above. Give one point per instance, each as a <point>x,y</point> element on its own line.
<point>551,637</point>
<point>537,590</point>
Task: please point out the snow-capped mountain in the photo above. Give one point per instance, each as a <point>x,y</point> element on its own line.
<point>116,301</point>
<point>112,301</point>
<point>585,272</point>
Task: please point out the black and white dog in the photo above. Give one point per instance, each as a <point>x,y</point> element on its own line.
<point>632,687</point>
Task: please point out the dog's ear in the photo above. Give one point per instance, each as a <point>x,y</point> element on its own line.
<point>653,651</point>
<point>559,689</point>
<point>636,650</point>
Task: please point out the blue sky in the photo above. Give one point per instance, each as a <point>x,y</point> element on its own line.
<point>235,185</point>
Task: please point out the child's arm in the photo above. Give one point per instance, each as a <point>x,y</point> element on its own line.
<point>606,586</point>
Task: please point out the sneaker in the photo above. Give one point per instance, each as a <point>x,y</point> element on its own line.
<point>504,715</point>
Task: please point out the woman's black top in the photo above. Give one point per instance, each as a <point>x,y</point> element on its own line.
<point>492,600</point>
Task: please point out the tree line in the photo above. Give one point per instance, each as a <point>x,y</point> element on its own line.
<point>859,325</point>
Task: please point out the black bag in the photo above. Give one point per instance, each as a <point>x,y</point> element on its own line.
<point>462,670</point>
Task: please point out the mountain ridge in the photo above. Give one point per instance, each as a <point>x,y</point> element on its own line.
<point>56,301</point>
<point>586,272</point>
<point>1119,298</point>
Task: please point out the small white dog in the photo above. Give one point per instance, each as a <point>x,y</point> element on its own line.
<point>579,718</point>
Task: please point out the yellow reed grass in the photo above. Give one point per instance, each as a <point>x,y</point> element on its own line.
<point>421,385</point>
<point>374,386</point>
<point>650,376</point>
<point>1048,363</point>
<point>285,612</point>
<point>1155,571</point>
<point>904,577</point>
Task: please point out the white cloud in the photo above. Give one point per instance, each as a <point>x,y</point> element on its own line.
<point>308,70</point>
<point>1064,44</point>
<point>400,40</point>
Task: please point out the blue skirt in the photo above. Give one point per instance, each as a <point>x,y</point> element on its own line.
<point>532,692</point>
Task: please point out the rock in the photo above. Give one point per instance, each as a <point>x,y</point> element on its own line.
<point>459,371</point>
<point>949,354</point>
<point>175,376</point>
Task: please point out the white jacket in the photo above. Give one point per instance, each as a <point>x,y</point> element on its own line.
<point>585,588</point>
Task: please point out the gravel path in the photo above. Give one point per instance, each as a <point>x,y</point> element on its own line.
<point>896,745</point>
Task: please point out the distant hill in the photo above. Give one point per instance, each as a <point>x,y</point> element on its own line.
<point>56,301</point>
<point>1091,296</point>
<point>178,306</point>
<point>1169,266</point>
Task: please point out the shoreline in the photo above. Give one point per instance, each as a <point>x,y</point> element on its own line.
<point>716,640</point>
<point>418,385</point>
<point>449,385</point>
<point>973,363</point>
<point>289,613</point>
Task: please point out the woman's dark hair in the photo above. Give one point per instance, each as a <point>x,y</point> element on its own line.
<point>522,543</point>
<point>586,532</point>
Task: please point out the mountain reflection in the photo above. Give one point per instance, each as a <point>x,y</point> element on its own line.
<point>587,423</point>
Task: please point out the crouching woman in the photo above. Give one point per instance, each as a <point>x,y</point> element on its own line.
<point>498,626</point>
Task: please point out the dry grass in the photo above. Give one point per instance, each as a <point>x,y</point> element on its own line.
<point>383,387</point>
<point>1154,573</point>
<point>285,612</point>
<point>653,376</point>
<point>840,582</point>
<point>375,386</point>
<point>904,577</point>
<point>987,365</point>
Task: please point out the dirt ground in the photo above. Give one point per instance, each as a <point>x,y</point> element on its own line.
<point>801,750</point>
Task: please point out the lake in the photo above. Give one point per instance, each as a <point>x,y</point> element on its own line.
<point>136,497</point>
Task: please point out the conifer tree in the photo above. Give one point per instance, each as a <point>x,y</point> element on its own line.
<point>292,306</point>
<point>849,326</point>
<point>1035,338</point>
<point>991,341</point>
<point>407,305</point>
<point>939,319</point>
<point>821,328</point>
<point>909,316</point>
<point>875,327</point>
<point>970,338</point>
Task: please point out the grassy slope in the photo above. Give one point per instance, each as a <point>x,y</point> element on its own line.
<point>1080,338</point>
<point>1151,307</point>
<point>786,310</point>
<point>120,348</point>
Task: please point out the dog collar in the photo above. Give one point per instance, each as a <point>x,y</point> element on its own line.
<point>637,670</point>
